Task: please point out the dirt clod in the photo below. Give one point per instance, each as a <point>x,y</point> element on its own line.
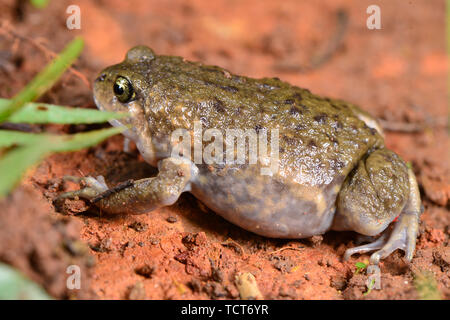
<point>441,257</point>
<point>146,271</point>
<point>282,263</point>
<point>172,219</point>
<point>102,246</point>
<point>338,282</point>
<point>138,226</point>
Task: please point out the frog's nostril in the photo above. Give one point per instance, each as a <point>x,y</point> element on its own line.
<point>102,77</point>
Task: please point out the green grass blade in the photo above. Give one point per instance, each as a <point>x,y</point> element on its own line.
<point>56,143</point>
<point>34,147</point>
<point>14,164</point>
<point>40,4</point>
<point>10,138</point>
<point>43,113</point>
<point>45,79</point>
<point>82,140</point>
<point>15,286</point>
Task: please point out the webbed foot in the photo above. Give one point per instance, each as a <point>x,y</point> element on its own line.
<point>93,188</point>
<point>403,237</point>
<point>380,188</point>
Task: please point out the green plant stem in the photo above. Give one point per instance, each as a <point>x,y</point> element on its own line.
<point>45,79</point>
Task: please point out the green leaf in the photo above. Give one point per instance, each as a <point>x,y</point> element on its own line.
<point>45,79</point>
<point>43,113</point>
<point>360,265</point>
<point>40,4</point>
<point>32,148</point>
<point>81,140</point>
<point>14,286</point>
<point>15,163</point>
<point>9,138</point>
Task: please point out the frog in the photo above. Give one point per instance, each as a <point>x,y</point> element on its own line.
<point>332,168</point>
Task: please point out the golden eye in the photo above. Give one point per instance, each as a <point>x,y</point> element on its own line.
<point>123,89</point>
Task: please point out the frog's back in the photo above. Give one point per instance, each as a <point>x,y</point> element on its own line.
<point>319,138</point>
<point>320,141</point>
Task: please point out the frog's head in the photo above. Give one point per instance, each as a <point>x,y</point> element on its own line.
<point>124,87</point>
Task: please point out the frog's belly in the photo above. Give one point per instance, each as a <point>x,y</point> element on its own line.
<point>266,207</point>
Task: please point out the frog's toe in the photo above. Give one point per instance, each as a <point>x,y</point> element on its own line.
<point>402,237</point>
<point>362,238</point>
<point>93,187</point>
<point>386,250</point>
<point>377,244</point>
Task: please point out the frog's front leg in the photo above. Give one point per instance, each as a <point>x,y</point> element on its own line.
<point>141,195</point>
<point>380,189</point>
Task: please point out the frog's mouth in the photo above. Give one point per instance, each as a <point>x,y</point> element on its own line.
<point>143,141</point>
<point>129,132</point>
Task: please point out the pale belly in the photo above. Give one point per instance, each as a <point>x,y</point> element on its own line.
<point>263,205</point>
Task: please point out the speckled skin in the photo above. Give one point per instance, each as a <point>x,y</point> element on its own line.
<point>333,171</point>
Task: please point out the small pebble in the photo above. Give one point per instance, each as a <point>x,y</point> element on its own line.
<point>172,219</point>
<point>154,241</point>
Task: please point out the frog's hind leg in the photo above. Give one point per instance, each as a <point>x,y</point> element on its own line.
<point>403,236</point>
<point>380,189</point>
<point>375,245</point>
<point>406,228</point>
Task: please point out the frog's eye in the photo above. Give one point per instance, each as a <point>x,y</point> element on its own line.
<point>123,89</point>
